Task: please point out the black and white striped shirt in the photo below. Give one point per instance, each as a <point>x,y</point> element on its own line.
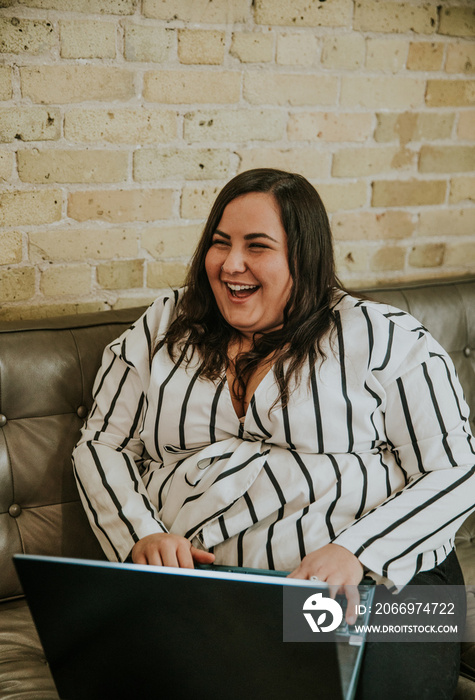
<point>373,451</point>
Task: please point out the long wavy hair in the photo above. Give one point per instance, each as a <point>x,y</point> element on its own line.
<point>200,327</point>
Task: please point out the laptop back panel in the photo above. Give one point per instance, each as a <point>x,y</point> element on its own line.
<point>124,631</point>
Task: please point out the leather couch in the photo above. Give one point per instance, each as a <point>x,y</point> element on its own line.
<point>46,374</point>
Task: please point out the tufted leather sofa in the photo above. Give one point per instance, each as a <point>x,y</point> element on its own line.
<point>46,374</point>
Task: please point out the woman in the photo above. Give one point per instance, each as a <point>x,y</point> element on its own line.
<point>264,417</point>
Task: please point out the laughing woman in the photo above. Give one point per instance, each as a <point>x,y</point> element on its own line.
<point>264,417</point>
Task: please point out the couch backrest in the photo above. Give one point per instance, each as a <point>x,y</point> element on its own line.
<point>447,310</point>
<point>47,369</point>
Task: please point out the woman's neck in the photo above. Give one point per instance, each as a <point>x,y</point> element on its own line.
<point>239,345</point>
<point>240,398</point>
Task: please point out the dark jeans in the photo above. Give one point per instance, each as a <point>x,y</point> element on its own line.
<point>414,670</point>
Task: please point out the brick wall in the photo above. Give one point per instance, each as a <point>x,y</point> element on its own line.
<point>121,119</point>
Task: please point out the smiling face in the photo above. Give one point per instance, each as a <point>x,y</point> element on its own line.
<point>247,264</point>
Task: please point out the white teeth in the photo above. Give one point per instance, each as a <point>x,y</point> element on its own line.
<point>240,287</point>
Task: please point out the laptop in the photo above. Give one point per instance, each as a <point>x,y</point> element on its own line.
<point>213,633</point>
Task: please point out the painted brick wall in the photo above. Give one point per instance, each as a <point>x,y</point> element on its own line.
<point>120,120</point>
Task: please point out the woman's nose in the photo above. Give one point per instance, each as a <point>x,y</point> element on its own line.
<point>234,262</point>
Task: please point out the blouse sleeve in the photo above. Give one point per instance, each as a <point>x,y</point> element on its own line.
<point>427,429</point>
<point>109,458</point>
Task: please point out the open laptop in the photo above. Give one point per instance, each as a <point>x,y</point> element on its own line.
<point>123,630</point>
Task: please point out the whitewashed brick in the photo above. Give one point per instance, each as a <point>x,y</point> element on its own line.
<point>234,126</point>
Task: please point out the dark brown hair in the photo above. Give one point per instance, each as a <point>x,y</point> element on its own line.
<point>200,327</point>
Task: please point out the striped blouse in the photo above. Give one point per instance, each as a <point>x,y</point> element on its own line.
<point>373,451</point>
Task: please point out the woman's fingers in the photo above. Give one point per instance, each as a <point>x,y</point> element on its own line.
<point>201,556</point>
<point>353,597</point>
<point>339,569</point>
<point>332,564</point>
<point>152,556</point>
<point>167,549</point>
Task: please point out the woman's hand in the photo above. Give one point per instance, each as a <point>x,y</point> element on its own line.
<point>339,568</point>
<point>167,549</point>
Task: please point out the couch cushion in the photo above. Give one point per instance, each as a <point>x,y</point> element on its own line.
<point>47,369</point>
<point>24,672</point>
